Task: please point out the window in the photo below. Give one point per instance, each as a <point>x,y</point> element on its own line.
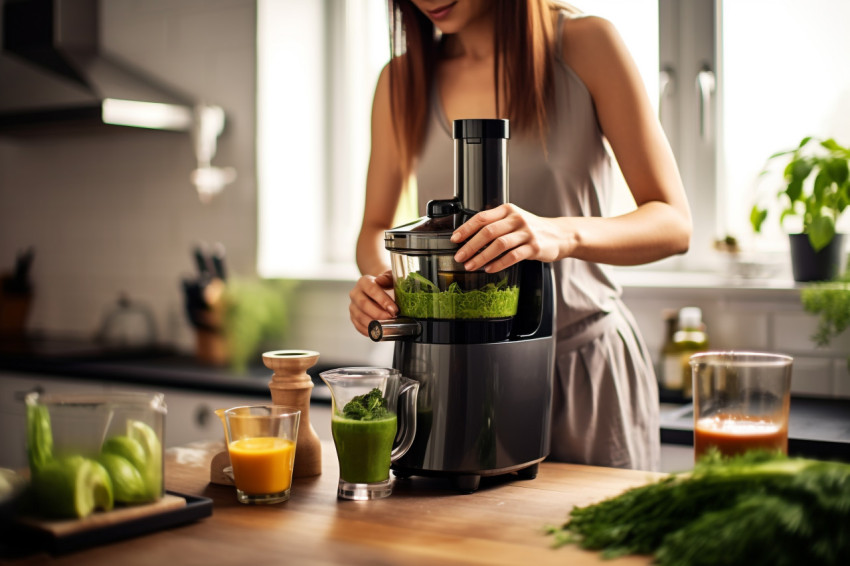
<point>784,76</point>
<point>747,79</point>
<point>735,82</point>
<point>318,63</point>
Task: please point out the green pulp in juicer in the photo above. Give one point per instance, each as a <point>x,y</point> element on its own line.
<point>417,297</point>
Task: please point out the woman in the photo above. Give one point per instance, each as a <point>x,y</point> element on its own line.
<point>567,84</point>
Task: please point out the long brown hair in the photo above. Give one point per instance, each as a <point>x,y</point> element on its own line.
<point>523,47</point>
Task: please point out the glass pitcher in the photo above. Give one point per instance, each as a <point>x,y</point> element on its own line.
<point>367,430</point>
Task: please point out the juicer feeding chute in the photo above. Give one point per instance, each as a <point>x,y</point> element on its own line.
<point>481,163</point>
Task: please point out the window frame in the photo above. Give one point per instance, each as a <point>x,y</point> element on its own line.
<point>690,116</point>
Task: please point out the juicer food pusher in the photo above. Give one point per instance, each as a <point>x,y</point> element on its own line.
<point>481,345</point>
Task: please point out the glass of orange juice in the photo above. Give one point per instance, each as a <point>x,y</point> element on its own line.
<point>261,444</point>
<point>741,401</point>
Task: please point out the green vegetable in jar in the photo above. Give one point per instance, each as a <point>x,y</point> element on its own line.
<point>128,470</point>
<point>152,447</point>
<point>72,487</point>
<point>39,437</point>
<point>127,483</point>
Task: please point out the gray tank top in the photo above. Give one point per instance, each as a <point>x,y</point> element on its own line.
<point>575,179</point>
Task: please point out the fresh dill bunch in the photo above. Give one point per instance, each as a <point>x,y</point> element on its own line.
<point>745,533</point>
<point>757,508</point>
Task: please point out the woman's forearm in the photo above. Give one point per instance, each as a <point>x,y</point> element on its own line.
<point>371,256</point>
<point>652,232</point>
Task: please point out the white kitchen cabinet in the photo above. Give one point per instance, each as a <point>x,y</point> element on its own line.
<point>191,414</point>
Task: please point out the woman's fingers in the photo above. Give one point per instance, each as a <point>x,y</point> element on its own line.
<point>370,301</point>
<point>359,319</point>
<point>477,222</point>
<point>483,237</point>
<point>490,234</point>
<point>385,280</point>
<point>507,247</point>
<point>379,297</point>
<point>498,238</point>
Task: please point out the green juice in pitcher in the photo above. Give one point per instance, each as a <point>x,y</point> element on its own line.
<point>363,447</point>
<point>365,423</point>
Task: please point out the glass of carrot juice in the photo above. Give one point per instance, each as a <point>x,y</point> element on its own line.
<point>261,444</point>
<point>741,401</point>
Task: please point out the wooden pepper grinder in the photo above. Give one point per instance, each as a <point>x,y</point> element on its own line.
<point>291,386</point>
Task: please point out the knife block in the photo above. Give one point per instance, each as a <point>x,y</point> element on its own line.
<point>290,385</point>
<point>14,311</point>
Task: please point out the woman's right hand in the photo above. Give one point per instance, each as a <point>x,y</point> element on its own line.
<point>370,300</point>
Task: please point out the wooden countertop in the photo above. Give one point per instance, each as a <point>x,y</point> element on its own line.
<point>423,522</point>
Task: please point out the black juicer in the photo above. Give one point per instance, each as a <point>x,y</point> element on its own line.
<point>481,345</point>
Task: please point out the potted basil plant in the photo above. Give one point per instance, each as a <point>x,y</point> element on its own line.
<point>816,188</point>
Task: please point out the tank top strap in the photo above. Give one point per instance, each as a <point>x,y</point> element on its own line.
<point>559,36</point>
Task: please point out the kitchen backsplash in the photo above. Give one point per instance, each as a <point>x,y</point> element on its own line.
<point>112,210</point>
<point>747,317</point>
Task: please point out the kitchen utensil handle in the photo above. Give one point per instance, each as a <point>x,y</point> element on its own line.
<point>706,85</point>
<point>201,262</point>
<point>218,262</point>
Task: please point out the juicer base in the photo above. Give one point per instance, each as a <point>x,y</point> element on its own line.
<point>470,482</point>
<point>466,484</point>
<point>528,473</point>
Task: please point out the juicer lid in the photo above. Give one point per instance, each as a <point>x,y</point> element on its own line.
<point>431,233</point>
<point>480,171</point>
<point>422,236</point>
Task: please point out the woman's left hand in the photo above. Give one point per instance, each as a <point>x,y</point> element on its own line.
<point>502,236</point>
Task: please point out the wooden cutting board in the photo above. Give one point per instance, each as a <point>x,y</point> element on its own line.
<point>59,528</point>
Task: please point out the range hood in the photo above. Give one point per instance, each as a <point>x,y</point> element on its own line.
<point>52,71</point>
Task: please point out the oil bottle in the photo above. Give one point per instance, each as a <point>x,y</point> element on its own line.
<point>668,380</point>
<point>690,338</point>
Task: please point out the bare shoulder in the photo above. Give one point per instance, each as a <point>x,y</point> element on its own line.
<point>584,33</point>
<point>593,48</point>
<point>382,86</point>
<point>381,100</point>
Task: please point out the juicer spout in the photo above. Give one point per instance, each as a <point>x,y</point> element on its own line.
<point>393,329</point>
